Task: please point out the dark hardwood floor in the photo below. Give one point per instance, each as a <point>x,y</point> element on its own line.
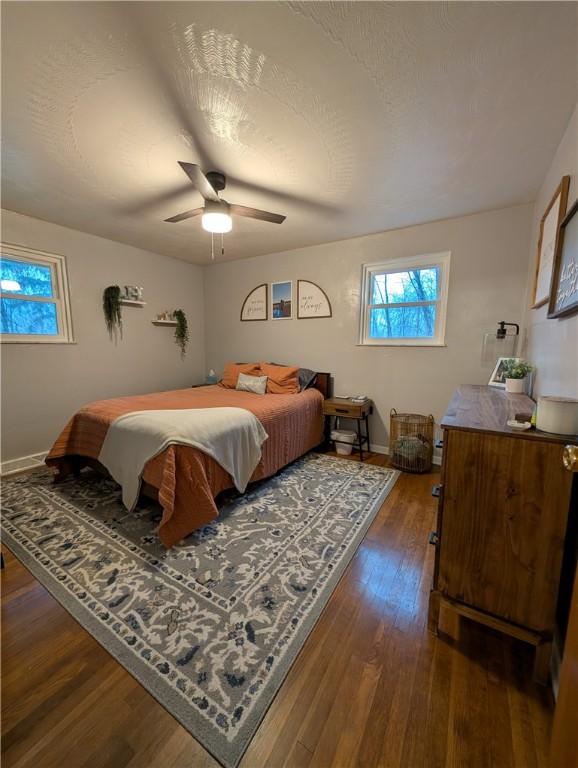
<point>371,686</point>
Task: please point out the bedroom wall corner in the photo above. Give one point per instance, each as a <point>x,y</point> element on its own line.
<point>44,384</point>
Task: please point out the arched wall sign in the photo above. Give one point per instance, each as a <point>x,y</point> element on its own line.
<point>255,306</point>
<point>312,301</point>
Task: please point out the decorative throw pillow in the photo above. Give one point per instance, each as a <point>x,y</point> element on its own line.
<point>232,370</point>
<point>255,384</point>
<point>306,376</point>
<point>282,379</point>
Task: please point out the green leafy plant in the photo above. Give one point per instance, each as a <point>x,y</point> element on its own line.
<point>516,369</point>
<point>181,331</point>
<point>111,307</point>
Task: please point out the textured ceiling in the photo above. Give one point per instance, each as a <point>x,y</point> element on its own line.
<point>349,118</point>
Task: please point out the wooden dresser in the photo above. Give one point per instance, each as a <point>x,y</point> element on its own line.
<point>504,500</point>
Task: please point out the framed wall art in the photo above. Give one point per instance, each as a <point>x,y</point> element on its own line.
<point>256,305</point>
<point>497,378</point>
<point>547,242</point>
<point>564,292</point>
<point>282,300</point>
<point>312,301</point>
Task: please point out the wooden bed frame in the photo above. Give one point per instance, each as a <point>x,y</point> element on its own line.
<point>323,384</point>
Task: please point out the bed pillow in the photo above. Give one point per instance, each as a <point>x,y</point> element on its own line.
<point>255,384</point>
<point>306,376</point>
<point>282,379</point>
<point>232,371</point>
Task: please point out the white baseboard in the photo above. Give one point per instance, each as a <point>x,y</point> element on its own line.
<point>384,449</point>
<point>37,460</point>
<point>19,465</point>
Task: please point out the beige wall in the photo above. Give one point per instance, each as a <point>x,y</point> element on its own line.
<point>552,345</point>
<point>42,385</point>
<point>487,284</point>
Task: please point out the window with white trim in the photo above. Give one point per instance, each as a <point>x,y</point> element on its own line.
<point>403,302</point>
<point>34,300</point>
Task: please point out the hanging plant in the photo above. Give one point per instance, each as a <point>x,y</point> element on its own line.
<point>111,307</point>
<point>181,331</point>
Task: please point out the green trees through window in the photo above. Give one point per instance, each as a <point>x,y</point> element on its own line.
<point>25,302</point>
<point>404,304</point>
<point>28,317</point>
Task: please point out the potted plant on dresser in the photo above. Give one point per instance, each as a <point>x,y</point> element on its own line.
<point>516,375</point>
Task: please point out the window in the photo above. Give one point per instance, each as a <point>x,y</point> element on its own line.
<point>34,299</point>
<point>404,301</point>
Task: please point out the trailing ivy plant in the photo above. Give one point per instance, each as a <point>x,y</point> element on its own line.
<point>112,310</point>
<point>181,331</point>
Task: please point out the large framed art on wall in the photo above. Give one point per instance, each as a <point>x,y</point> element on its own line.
<point>564,292</point>
<point>282,300</point>
<point>255,306</point>
<point>547,241</point>
<point>312,301</point>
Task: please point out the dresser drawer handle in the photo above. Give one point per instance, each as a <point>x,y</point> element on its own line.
<point>434,538</point>
<point>341,410</point>
<point>436,490</point>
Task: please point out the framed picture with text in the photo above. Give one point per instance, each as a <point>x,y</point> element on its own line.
<point>564,291</point>
<point>255,306</point>
<point>312,301</point>
<point>547,242</point>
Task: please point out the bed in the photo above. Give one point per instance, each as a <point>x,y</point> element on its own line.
<point>184,480</point>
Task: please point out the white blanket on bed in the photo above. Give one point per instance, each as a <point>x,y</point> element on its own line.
<point>231,436</point>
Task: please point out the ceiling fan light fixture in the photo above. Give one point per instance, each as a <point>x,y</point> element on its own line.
<point>216,218</point>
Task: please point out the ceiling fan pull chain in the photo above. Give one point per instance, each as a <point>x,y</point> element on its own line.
<point>212,247</point>
<point>222,244</point>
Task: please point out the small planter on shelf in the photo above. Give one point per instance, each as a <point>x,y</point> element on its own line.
<point>178,320</point>
<point>164,318</point>
<point>132,296</point>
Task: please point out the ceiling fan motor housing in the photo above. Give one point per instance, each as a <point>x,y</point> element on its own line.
<point>216,213</point>
<point>217,179</point>
<point>221,207</point>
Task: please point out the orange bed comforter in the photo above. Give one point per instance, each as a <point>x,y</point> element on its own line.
<point>186,479</point>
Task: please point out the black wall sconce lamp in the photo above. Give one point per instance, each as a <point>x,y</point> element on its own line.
<point>500,343</point>
<point>501,333</point>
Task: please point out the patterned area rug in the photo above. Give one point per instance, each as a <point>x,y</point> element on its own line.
<point>212,627</point>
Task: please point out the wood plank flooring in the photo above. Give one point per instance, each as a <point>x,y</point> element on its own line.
<point>371,686</point>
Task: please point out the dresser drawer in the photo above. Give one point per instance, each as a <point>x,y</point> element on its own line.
<point>505,504</point>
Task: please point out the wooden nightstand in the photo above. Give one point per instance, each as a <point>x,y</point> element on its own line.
<point>341,408</point>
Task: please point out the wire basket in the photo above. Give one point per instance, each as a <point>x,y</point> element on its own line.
<point>411,440</point>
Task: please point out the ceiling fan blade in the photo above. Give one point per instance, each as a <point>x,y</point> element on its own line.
<point>255,213</point>
<point>200,181</point>
<point>185,215</point>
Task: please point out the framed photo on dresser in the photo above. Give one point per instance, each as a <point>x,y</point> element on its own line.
<point>547,242</point>
<point>497,379</point>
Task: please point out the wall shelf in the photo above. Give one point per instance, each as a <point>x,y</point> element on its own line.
<point>132,303</point>
<point>164,322</point>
